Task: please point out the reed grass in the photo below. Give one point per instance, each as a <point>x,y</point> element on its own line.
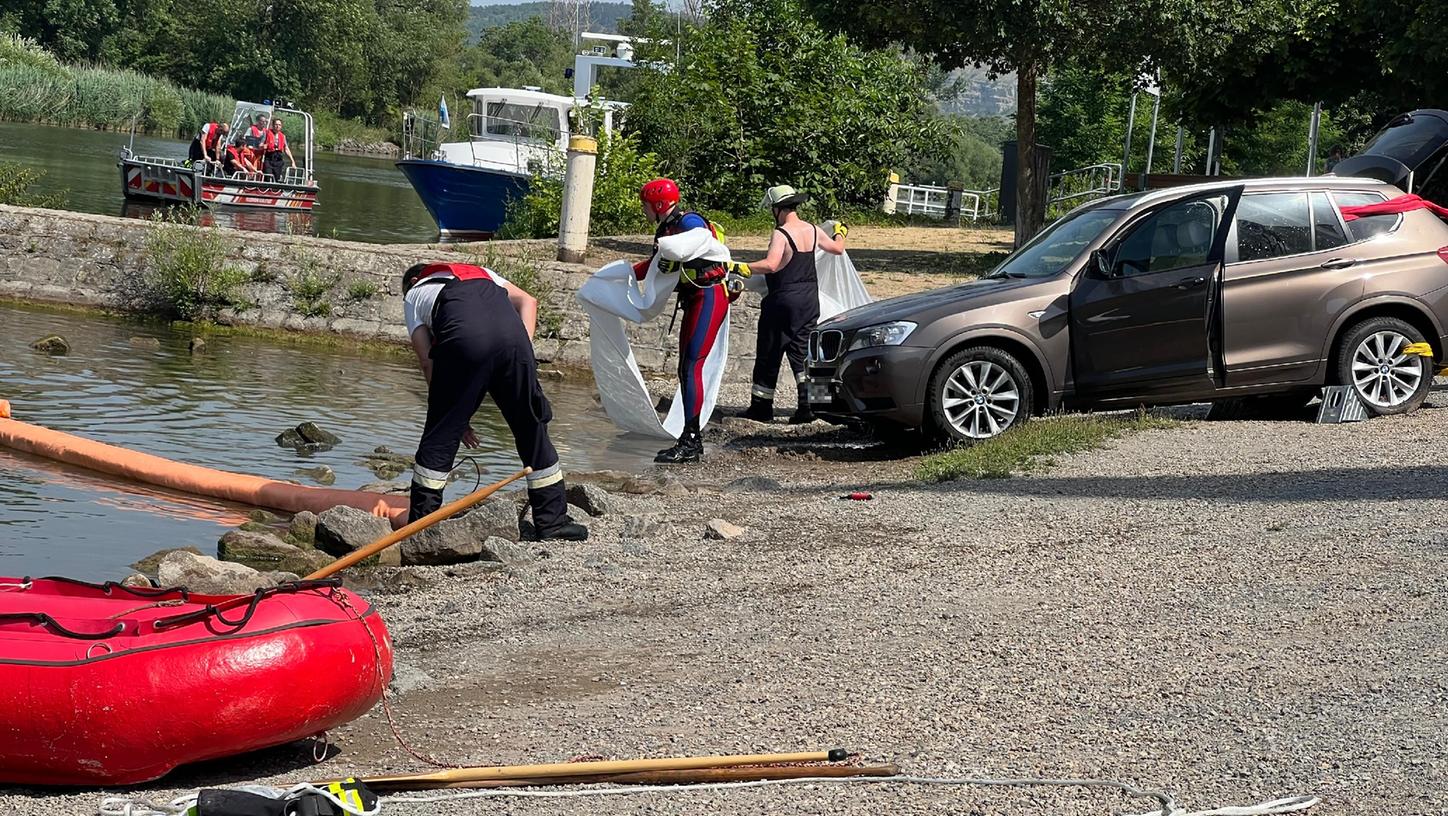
<point>37,87</point>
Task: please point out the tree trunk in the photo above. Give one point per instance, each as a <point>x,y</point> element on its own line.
<point>1030,202</point>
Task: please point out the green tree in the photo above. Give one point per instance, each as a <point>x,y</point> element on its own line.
<point>761,95</point>
<point>1033,38</point>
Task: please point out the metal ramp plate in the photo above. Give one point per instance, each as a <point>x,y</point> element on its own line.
<point>1340,403</point>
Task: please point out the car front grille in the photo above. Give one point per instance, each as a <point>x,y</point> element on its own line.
<point>826,346</point>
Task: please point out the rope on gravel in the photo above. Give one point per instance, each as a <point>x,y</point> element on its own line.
<point>119,806</point>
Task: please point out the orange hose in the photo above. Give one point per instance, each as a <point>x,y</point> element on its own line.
<point>202,481</point>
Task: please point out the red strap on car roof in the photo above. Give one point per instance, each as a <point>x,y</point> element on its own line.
<point>1393,206</point>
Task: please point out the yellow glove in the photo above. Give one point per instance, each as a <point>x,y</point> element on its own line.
<point>841,230</point>
<point>737,268</point>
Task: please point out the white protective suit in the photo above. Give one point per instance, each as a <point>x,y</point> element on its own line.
<point>614,295</point>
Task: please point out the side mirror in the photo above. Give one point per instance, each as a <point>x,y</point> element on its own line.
<point>1100,264</point>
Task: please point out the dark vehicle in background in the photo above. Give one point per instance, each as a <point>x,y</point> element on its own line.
<point>1254,291</point>
<point>1410,153</point>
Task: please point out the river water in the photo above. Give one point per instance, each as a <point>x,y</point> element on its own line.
<point>362,199</point>
<point>221,407</point>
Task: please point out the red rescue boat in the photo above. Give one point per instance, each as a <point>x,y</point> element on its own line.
<point>102,684</point>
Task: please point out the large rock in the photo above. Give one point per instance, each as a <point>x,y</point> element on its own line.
<point>302,530</point>
<point>312,433</point>
<point>488,533</point>
<point>593,499</point>
<point>343,529</point>
<point>209,576</point>
<point>51,344</point>
<point>307,438</point>
<point>268,552</point>
<point>149,565</point>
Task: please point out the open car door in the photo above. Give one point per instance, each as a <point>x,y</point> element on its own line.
<point>1144,312</point>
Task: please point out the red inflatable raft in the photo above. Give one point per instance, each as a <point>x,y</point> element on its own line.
<point>108,685</point>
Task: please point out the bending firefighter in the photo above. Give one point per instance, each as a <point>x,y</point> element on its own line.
<point>792,307</point>
<point>473,334</point>
<point>704,300</point>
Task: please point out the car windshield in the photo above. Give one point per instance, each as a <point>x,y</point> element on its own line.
<point>1056,246</point>
<point>1410,139</point>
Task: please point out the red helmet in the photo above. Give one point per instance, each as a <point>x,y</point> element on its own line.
<point>660,195</point>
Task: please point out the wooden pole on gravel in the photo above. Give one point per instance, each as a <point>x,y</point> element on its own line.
<point>572,769</point>
<point>701,776</point>
<point>440,514</point>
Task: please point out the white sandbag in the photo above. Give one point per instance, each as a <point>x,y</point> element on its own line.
<point>613,295</point>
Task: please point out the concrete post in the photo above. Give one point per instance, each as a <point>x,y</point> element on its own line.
<point>577,199</point>
<point>953,195</point>
<point>891,193</point>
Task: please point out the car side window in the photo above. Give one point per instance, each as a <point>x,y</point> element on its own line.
<point>1326,231</point>
<point>1177,237</point>
<point>1367,226</point>
<point>1272,225</point>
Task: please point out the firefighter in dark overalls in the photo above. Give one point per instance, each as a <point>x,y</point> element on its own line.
<point>704,299</point>
<point>473,334</point>
<point>792,306</point>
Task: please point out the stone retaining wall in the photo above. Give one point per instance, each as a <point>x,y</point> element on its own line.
<point>52,256</point>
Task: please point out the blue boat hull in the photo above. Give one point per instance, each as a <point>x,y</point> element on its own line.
<point>466,202</point>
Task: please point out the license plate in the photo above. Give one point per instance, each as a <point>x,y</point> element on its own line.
<point>821,392</point>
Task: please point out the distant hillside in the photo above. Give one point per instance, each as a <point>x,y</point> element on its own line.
<point>603,17</point>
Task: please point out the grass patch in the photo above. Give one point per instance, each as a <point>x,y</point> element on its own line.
<point>358,291</point>
<point>186,273</point>
<point>310,286</point>
<point>1031,446</point>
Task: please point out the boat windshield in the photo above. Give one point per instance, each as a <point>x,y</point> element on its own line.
<point>249,115</point>
<point>1055,247</point>
<point>513,119</point>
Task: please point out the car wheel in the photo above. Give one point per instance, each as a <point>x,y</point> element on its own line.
<point>1372,361</point>
<point>979,392</point>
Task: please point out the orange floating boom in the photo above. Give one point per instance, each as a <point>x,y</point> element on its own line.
<point>195,479</point>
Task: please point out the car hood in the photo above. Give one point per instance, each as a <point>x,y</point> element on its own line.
<point>922,307</point>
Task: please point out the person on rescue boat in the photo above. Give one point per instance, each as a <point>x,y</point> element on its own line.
<point>472,331</point>
<point>704,300</point>
<point>274,149</point>
<point>256,134</point>
<point>238,159</point>
<point>207,145</point>
<point>791,309</point>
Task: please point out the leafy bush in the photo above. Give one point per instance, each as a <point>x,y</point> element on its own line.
<point>621,170</point>
<point>186,274</point>
<point>361,290</point>
<point>15,188</point>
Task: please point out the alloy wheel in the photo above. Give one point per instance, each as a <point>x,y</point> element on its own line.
<point>981,399</point>
<point>1383,375</point>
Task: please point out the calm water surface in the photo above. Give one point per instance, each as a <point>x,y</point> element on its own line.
<point>221,408</point>
<point>362,199</point>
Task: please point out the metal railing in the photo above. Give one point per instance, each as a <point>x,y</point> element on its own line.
<point>1065,187</point>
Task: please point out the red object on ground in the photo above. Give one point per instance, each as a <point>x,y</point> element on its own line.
<point>1393,206</point>
<point>858,495</point>
<point>94,693</point>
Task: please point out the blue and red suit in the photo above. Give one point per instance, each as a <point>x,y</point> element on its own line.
<point>705,303</point>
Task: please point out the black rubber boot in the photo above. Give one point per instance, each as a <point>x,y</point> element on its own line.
<point>424,500</point>
<point>804,413</point>
<point>550,514</point>
<point>689,448</point>
<point>759,410</point>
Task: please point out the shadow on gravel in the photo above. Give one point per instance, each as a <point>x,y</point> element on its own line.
<point>1329,484</point>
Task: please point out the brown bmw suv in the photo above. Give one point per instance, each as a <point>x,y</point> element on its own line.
<point>1257,291</point>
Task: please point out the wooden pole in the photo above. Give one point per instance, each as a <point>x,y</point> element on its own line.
<point>440,514</point>
<point>694,777</point>
<point>571,769</point>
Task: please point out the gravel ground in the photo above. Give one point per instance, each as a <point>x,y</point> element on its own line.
<point>1229,611</point>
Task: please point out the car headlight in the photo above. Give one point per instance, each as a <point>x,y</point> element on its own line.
<point>886,334</point>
